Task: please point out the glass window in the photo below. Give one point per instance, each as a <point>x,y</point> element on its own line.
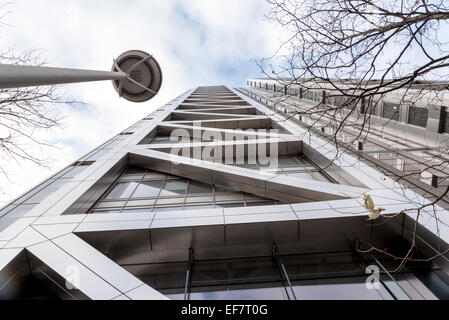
<point>287,161</point>
<point>301,175</point>
<point>276,293</point>
<point>244,278</point>
<point>319,176</point>
<point>446,120</point>
<point>174,187</point>
<point>391,111</point>
<point>63,172</point>
<point>106,211</point>
<point>122,190</point>
<point>98,154</point>
<point>168,201</point>
<point>147,189</point>
<point>110,204</point>
<point>230,205</point>
<point>305,162</point>
<point>155,176</point>
<point>222,189</point>
<point>202,199</point>
<point>255,204</point>
<point>230,197</point>
<point>198,187</point>
<point>418,116</point>
<point>354,289</point>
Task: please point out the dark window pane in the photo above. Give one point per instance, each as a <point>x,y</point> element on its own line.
<point>319,176</point>
<point>246,272</point>
<point>105,211</point>
<point>255,204</point>
<point>446,120</point>
<point>277,293</point>
<point>198,187</point>
<point>222,189</point>
<point>305,162</point>
<point>174,187</point>
<point>352,290</point>
<point>418,116</point>
<point>230,205</point>
<point>391,111</point>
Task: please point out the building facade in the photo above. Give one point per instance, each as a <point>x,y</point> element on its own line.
<point>219,195</point>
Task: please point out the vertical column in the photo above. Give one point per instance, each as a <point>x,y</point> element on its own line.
<point>435,119</point>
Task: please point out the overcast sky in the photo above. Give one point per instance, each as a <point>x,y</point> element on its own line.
<point>196,42</point>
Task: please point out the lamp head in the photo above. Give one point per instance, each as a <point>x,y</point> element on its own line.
<point>144,76</point>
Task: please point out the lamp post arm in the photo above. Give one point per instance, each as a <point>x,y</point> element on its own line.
<point>15,76</point>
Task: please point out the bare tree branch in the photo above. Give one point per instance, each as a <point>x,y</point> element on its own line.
<point>358,52</point>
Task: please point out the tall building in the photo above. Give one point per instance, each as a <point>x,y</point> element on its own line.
<point>219,195</point>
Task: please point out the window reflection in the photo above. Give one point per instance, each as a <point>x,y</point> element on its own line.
<point>340,291</point>
<point>198,187</point>
<point>148,189</point>
<point>277,293</point>
<point>122,190</point>
<point>174,187</point>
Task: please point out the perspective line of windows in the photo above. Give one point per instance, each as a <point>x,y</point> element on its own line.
<point>417,116</point>
<point>140,190</point>
<point>434,177</point>
<point>331,275</point>
<point>298,166</point>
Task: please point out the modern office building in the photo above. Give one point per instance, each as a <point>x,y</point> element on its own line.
<point>222,194</point>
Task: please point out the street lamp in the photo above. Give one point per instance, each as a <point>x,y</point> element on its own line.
<point>135,74</point>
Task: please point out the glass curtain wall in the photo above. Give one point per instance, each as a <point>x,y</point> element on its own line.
<point>139,190</point>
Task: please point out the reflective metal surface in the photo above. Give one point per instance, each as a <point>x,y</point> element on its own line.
<point>75,234</point>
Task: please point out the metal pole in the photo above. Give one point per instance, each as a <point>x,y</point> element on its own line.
<point>283,272</point>
<point>16,76</point>
<point>188,276</point>
<point>136,76</point>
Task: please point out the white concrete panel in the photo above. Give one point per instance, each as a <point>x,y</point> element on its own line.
<point>98,263</point>
<point>65,265</point>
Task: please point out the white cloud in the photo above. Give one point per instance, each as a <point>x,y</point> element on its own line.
<point>196,43</point>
